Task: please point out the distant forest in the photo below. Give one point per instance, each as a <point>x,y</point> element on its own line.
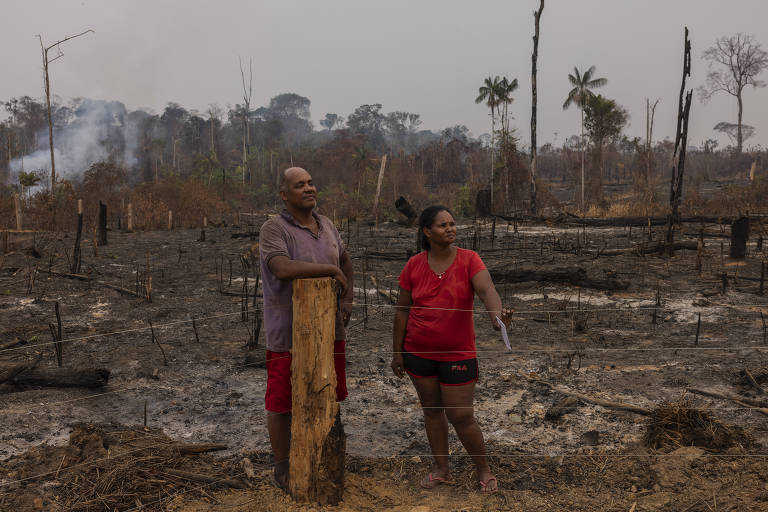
<point>233,157</point>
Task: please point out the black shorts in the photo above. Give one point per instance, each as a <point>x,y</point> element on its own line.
<point>449,373</point>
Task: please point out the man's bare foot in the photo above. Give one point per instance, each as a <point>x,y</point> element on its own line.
<point>282,472</point>
<point>436,477</point>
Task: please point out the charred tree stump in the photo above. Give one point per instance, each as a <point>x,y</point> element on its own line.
<point>76,254</point>
<point>318,442</point>
<point>403,206</point>
<point>483,203</point>
<point>102,240</point>
<point>739,238</point>
<point>681,142</point>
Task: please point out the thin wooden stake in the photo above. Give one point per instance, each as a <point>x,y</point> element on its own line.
<point>698,329</point>
<point>155,340</point>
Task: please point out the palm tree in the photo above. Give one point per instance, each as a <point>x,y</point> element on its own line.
<point>488,93</point>
<point>504,96</point>
<point>582,83</point>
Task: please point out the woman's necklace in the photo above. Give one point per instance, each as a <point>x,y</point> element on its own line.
<point>439,274</point>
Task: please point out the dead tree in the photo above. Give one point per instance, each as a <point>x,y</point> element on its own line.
<point>247,93</point>
<point>46,62</point>
<point>681,141</point>
<point>534,97</point>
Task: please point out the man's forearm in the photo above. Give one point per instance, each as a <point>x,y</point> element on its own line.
<point>349,273</point>
<point>295,269</point>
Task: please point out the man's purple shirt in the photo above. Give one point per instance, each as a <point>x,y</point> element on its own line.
<point>283,236</point>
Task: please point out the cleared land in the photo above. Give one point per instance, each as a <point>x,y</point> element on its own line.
<point>597,342</point>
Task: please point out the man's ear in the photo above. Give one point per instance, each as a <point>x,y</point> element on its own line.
<point>283,196</point>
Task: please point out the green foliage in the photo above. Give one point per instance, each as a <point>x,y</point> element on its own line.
<point>604,119</point>
<point>465,207</point>
<point>28,179</point>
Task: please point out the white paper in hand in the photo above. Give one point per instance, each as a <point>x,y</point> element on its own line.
<point>504,334</point>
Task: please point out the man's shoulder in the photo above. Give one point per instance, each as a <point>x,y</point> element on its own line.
<point>273,225</point>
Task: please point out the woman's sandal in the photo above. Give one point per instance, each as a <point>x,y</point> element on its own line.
<point>433,481</point>
<point>484,485</point>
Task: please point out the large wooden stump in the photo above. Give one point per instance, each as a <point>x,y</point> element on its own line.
<point>318,443</point>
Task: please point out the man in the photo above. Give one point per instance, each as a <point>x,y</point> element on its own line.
<point>297,243</point>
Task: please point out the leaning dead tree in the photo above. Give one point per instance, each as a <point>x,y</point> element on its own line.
<point>534,97</point>
<point>46,62</point>
<point>681,141</point>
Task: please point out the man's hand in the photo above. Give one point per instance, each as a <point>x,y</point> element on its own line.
<point>398,366</point>
<point>340,278</point>
<point>346,312</point>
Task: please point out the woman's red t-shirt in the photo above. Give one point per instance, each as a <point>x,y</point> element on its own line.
<point>441,334</point>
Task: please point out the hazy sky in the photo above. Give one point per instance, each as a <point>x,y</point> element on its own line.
<point>423,56</point>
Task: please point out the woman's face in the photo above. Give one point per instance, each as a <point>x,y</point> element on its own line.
<point>443,229</point>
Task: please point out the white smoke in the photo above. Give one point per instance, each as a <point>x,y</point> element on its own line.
<point>96,131</point>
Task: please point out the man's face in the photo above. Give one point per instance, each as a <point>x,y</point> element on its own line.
<point>299,192</point>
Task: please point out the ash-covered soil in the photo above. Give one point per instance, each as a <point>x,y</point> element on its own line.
<point>603,344</point>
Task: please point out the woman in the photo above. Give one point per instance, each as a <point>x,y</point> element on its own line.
<point>434,340</point>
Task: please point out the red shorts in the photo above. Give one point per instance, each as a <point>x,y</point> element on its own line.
<point>278,395</point>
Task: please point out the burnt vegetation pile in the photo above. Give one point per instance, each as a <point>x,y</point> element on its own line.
<point>113,467</point>
<point>682,423</point>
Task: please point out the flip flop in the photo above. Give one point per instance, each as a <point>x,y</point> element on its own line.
<point>433,481</point>
<point>484,485</point>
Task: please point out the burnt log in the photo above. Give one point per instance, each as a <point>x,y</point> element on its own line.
<point>62,377</point>
<point>403,206</point>
<point>652,248</point>
<point>739,238</point>
<point>575,276</point>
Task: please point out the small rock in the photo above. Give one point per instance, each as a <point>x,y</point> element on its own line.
<point>591,437</point>
<point>416,458</point>
<point>515,418</point>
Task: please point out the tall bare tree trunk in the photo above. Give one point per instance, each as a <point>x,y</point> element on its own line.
<point>46,61</point>
<point>739,135</point>
<point>534,98</point>
<point>681,141</point>
<point>582,158</point>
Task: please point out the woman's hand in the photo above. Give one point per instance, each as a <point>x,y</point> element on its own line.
<point>505,316</point>
<point>398,366</point>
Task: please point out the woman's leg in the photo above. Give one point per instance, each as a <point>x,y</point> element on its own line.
<point>458,400</point>
<point>435,422</point>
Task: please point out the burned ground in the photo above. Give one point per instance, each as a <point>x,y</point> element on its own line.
<point>613,345</point>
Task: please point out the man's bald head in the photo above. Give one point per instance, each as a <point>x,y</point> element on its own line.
<point>297,190</point>
<point>291,174</point>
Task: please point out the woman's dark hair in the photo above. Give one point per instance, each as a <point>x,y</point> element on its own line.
<point>427,219</point>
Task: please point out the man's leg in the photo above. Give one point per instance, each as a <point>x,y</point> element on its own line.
<point>279,428</point>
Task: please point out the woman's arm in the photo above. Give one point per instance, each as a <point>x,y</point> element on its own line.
<point>402,310</point>
<point>484,288</point>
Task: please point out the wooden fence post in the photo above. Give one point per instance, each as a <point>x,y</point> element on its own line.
<point>17,208</point>
<point>318,443</point>
<point>102,225</point>
<point>129,220</point>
